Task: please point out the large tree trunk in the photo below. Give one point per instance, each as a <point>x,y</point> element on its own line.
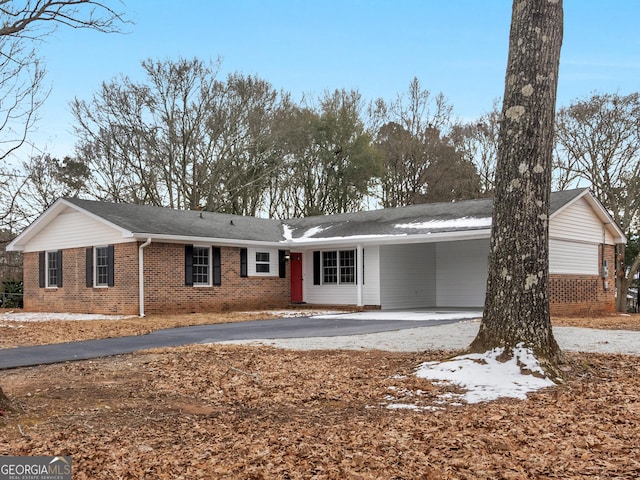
<point>517,300</point>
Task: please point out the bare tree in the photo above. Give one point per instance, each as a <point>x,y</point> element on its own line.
<point>517,300</point>
<point>22,24</point>
<point>599,142</point>
<point>21,72</point>
<point>477,141</point>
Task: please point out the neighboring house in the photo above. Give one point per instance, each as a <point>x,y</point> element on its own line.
<point>97,257</point>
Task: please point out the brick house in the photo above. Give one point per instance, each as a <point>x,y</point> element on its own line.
<point>95,257</point>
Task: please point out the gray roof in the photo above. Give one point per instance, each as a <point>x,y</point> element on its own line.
<point>426,218</point>
<point>145,219</point>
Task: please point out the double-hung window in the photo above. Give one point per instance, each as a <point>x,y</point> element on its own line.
<point>263,262</point>
<point>347,266</point>
<point>50,269</point>
<point>101,262</point>
<point>201,266</point>
<point>100,266</point>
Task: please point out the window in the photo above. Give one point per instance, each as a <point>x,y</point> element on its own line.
<point>263,262</point>
<point>100,266</point>
<point>201,265</point>
<point>347,266</point>
<point>53,268</point>
<point>329,267</point>
<point>334,267</point>
<point>50,269</point>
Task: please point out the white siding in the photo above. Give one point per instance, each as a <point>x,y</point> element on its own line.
<point>371,287</point>
<point>346,294</point>
<point>72,229</point>
<point>573,257</point>
<point>407,276</point>
<point>578,222</point>
<point>461,273</point>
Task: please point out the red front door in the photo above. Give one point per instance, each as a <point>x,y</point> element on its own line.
<point>296,277</point>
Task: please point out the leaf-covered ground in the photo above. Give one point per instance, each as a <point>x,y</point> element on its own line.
<point>261,413</point>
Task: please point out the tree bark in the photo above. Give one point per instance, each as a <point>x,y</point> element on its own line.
<point>5,403</point>
<point>517,300</point>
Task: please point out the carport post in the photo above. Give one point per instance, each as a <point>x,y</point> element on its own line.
<point>359,273</point>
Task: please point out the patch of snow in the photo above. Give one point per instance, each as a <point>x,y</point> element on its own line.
<point>45,317</point>
<point>354,238</point>
<point>287,232</point>
<point>485,378</point>
<point>464,222</point>
<point>313,231</point>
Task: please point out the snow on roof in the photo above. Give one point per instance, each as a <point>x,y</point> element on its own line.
<point>455,223</point>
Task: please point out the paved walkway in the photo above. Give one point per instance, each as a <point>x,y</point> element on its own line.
<point>282,328</point>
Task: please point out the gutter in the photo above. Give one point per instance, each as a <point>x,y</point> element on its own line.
<point>141,276</point>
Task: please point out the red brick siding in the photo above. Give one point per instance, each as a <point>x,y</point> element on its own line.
<point>74,296</point>
<point>572,295</point>
<point>166,292</point>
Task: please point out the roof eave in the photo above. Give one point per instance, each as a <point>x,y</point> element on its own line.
<point>212,240</point>
<point>18,244</point>
<point>391,239</point>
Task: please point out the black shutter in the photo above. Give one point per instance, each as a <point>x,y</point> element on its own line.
<point>316,268</point>
<point>217,270</point>
<point>282,263</point>
<point>42,264</point>
<point>89,267</point>
<point>243,263</point>
<point>188,265</point>
<point>111,264</point>
<point>59,267</point>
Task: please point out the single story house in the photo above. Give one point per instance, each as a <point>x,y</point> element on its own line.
<point>98,257</point>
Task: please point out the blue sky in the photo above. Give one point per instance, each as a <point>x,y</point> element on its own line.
<point>457,47</point>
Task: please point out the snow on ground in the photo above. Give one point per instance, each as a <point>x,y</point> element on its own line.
<point>486,378</point>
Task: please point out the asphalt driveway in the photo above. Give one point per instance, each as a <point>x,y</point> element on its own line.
<point>282,328</point>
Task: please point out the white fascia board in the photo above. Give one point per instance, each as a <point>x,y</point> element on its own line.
<point>59,206</point>
<point>211,240</point>
<point>390,239</point>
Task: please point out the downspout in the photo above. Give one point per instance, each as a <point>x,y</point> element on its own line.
<point>141,276</point>
<point>359,275</point>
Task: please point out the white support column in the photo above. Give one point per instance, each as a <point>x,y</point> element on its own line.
<point>359,274</point>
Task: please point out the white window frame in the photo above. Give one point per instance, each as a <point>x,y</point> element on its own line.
<point>261,263</point>
<point>253,262</point>
<point>47,270</point>
<point>209,266</point>
<point>96,267</point>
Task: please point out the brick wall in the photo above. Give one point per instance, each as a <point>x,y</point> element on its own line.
<point>74,296</point>
<point>573,295</point>
<point>165,290</point>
